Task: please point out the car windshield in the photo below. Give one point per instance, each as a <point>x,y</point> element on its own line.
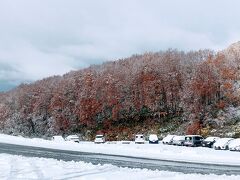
<point>139,136</point>
<point>153,136</point>
<point>198,138</point>
<point>99,136</point>
<point>168,137</point>
<point>72,136</point>
<point>188,138</point>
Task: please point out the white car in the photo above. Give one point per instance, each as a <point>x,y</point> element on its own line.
<point>222,143</point>
<point>234,145</point>
<point>168,139</point>
<point>153,139</point>
<point>58,138</point>
<point>139,139</point>
<point>99,139</point>
<point>73,138</point>
<point>237,148</point>
<point>178,140</point>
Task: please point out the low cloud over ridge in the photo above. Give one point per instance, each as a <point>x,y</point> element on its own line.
<point>44,38</point>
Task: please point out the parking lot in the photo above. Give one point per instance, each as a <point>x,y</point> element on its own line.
<point>129,148</point>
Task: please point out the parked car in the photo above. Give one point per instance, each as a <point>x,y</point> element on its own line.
<point>193,140</point>
<point>139,139</point>
<point>58,138</point>
<point>99,139</point>
<point>209,141</point>
<point>168,139</point>
<point>73,138</point>
<point>234,145</point>
<point>153,139</point>
<point>237,148</point>
<point>222,143</point>
<point>178,140</point>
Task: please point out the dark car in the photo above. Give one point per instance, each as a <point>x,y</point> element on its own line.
<point>209,141</point>
<point>193,140</point>
<point>153,139</point>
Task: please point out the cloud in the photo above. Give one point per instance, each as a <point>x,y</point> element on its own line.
<point>43,38</point>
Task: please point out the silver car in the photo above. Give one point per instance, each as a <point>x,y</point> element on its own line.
<point>99,139</point>
<point>178,140</point>
<point>73,138</point>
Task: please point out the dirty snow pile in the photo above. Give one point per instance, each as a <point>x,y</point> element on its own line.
<point>19,167</point>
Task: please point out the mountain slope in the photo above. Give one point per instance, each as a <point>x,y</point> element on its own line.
<point>153,92</point>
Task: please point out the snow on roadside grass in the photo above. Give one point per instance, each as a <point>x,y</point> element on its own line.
<point>155,151</point>
<point>19,167</point>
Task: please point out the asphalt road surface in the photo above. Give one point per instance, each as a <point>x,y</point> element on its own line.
<point>120,161</point>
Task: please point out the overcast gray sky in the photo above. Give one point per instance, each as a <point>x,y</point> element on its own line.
<point>40,38</point>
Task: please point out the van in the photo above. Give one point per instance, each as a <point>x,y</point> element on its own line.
<point>193,140</point>
<point>139,139</point>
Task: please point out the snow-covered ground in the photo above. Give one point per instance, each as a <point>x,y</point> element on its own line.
<point>23,168</point>
<point>156,151</point>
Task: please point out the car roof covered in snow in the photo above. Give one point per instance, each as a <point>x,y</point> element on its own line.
<point>73,136</point>
<point>193,135</point>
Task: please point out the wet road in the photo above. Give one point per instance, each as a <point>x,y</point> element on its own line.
<point>120,161</point>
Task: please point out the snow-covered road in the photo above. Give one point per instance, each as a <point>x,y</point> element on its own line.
<point>23,168</point>
<point>120,161</point>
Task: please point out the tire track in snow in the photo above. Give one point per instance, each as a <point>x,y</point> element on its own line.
<point>18,168</point>
<point>36,170</point>
<point>88,173</point>
<point>14,171</point>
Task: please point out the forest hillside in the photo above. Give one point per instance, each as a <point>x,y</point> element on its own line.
<point>164,92</point>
